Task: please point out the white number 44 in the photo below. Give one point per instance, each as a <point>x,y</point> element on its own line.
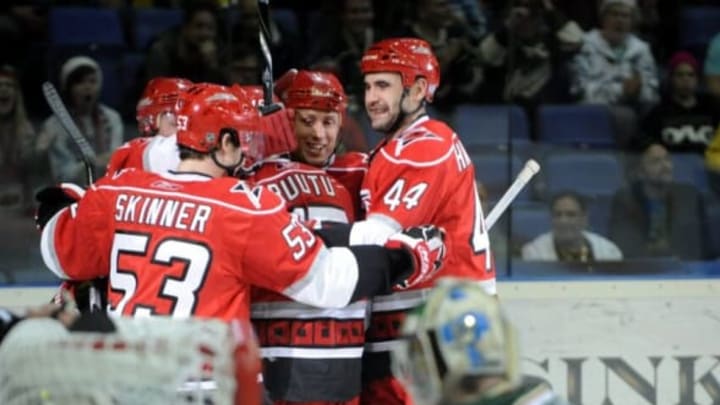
<point>398,194</point>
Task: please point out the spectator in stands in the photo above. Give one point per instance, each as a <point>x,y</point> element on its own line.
<point>712,66</point>
<point>447,32</point>
<point>191,51</point>
<point>657,217</point>
<point>473,13</point>
<point>80,84</point>
<point>244,66</point>
<point>345,31</point>
<point>18,166</point>
<point>284,42</point>
<point>616,68</point>
<point>712,163</point>
<point>569,240</point>
<point>684,121</point>
<point>527,56</point>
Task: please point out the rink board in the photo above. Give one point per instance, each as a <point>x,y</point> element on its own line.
<point>601,343</point>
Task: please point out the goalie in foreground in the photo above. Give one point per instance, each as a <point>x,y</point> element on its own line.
<point>459,348</point>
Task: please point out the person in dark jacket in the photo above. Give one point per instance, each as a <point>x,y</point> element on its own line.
<point>655,216</point>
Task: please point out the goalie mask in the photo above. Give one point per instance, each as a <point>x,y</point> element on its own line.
<point>210,112</point>
<point>162,95</point>
<point>451,342</point>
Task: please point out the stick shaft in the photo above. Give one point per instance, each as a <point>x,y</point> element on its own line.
<point>58,108</point>
<point>512,192</point>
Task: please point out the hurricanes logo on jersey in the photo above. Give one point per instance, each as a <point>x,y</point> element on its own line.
<point>413,137</point>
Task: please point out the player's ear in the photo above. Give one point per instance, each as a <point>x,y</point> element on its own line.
<point>419,89</point>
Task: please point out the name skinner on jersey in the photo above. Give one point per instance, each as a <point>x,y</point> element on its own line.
<point>159,211</point>
<point>290,187</point>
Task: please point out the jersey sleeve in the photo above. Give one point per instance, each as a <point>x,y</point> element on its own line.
<point>296,261</point>
<point>74,242</point>
<point>118,160</point>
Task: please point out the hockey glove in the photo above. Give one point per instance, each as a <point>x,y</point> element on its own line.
<point>279,132</point>
<point>426,245</point>
<point>53,199</point>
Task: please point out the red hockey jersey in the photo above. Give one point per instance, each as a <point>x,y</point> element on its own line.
<point>314,354</point>
<point>157,154</point>
<point>423,175</point>
<point>350,169</point>
<point>186,244</point>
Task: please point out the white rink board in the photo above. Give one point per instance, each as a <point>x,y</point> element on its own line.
<point>621,343</point>
<point>600,343</point>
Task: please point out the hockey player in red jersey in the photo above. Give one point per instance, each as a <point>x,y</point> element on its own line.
<point>156,149</point>
<point>319,103</point>
<point>191,242</point>
<point>316,359</point>
<point>419,173</point>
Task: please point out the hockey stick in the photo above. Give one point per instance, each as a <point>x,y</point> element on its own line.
<point>95,301</point>
<point>264,33</point>
<point>58,108</point>
<point>528,171</point>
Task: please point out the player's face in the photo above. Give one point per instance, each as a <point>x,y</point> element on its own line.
<point>167,123</point>
<point>317,134</point>
<point>383,94</point>
<point>568,219</point>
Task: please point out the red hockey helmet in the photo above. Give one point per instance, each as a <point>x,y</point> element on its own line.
<point>255,93</point>
<point>411,57</point>
<point>161,95</point>
<point>313,90</point>
<point>212,109</point>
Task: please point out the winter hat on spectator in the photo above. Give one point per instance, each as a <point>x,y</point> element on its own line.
<point>604,4</point>
<point>681,57</point>
<point>73,64</point>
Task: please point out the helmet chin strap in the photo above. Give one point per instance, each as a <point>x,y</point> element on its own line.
<point>402,114</point>
<point>230,170</point>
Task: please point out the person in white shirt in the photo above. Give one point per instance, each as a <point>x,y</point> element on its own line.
<point>569,239</point>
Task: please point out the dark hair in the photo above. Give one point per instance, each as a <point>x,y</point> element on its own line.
<point>77,75</point>
<point>187,153</point>
<point>191,8</point>
<point>579,199</point>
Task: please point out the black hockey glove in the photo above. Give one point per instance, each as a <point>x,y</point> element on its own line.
<point>426,245</point>
<point>54,198</point>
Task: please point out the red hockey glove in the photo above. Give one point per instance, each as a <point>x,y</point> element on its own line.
<point>279,132</point>
<point>426,245</point>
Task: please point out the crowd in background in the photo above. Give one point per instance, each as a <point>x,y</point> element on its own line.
<point>663,94</point>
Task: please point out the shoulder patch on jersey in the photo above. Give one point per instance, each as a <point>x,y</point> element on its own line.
<point>422,145</point>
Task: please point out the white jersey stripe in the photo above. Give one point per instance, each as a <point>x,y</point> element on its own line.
<point>192,197</point>
<point>47,246</point>
<point>312,353</point>
<point>384,346</point>
<point>324,285</point>
<point>294,310</point>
